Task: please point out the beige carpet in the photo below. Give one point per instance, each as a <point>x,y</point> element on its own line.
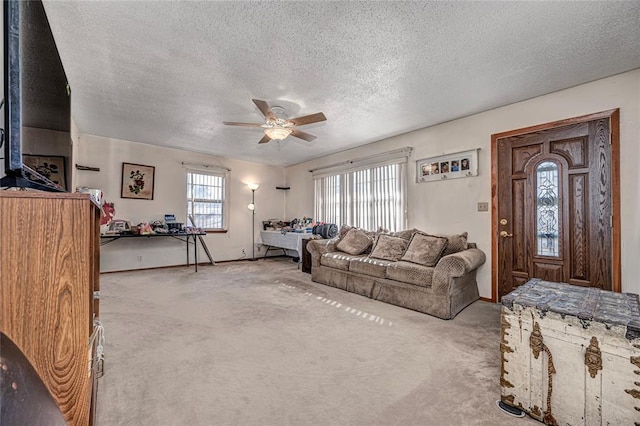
<point>258,343</point>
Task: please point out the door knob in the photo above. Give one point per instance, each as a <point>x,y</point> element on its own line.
<point>505,234</point>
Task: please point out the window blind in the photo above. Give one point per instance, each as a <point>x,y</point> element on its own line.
<point>367,197</point>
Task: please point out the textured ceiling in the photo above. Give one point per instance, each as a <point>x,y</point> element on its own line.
<point>169,73</point>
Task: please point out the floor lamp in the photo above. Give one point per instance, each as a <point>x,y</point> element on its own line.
<point>252,207</point>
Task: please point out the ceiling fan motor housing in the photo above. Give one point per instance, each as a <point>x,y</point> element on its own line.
<point>281,117</point>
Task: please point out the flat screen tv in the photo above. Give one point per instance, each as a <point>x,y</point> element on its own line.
<point>37,102</point>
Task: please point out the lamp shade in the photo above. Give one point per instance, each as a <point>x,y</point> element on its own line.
<point>253,186</point>
<point>251,206</point>
<point>277,133</point>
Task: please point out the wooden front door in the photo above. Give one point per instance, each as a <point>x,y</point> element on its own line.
<point>554,199</point>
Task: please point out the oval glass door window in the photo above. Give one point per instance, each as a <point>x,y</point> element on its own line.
<point>547,211</point>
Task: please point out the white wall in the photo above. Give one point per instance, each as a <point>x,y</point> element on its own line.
<point>170,197</point>
<point>71,168</point>
<point>450,206</point>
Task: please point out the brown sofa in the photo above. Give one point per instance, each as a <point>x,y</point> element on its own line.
<point>435,275</point>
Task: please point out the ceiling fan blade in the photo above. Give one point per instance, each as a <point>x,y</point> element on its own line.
<point>308,119</point>
<point>265,139</point>
<point>233,123</point>
<point>302,135</point>
<point>264,109</point>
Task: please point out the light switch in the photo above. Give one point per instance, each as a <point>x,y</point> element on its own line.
<point>483,207</point>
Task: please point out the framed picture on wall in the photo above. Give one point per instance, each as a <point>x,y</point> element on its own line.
<point>50,166</point>
<point>448,166</point>
<point>137,181</point>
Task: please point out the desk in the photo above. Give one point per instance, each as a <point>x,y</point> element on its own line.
<point>288,240</point>
<point>182,236</point>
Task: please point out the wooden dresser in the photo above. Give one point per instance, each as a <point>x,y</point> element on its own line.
<point>49,271</point>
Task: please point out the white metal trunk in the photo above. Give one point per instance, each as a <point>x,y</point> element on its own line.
<point>571,355</point>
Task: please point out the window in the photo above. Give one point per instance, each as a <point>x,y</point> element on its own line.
<point>206,199</point>
<point>367,198</point>
<point>547,211</point>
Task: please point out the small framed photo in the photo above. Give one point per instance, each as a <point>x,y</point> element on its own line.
<point>137,181</point>
<point>51,167</point>
<point>465,163</point>
<point>448,166</point>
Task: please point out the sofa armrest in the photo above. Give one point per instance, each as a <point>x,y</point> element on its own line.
<point>454,266</point>
<point>319,247</point>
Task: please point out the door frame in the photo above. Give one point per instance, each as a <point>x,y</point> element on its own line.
<point>614,128</point>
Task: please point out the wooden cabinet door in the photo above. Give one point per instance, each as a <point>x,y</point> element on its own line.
<point>48,250</point>
<point>554,196</point>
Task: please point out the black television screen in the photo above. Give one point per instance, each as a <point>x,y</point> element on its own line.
<point>37,110</point>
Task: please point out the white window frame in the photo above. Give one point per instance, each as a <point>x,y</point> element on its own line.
<point>225,198</point>
<point>338,206</point>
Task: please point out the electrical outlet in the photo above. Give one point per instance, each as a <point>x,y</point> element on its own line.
<point>139,258</point>
<point>483,207</point>
<point>243,252</point>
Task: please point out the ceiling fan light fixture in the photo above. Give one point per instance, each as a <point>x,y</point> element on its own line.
<point>277,133</point>
<point>277,126</point>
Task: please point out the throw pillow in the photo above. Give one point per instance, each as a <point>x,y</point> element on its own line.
<point>406,234</point>
<point>343,231</point>
<point>425,249</point>
<point>388,247</point>
<point>456,243</point>
<point>356,241</point>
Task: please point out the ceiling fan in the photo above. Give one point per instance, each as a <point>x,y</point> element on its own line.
<point>277,126</point>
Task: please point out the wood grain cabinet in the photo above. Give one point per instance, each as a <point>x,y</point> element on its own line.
<point>49,271</point>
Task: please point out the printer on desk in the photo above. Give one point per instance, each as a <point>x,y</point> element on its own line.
<point>171,224</point>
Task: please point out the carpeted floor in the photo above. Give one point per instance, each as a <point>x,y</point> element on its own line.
<point>258,343</point>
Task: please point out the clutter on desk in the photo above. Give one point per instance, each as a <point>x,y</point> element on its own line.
<point>302,225</point>
<point>294,225</point>
<point>124,227</point>
<point>273,224</point>
<point>118,226</point>
<point>145,229</point>
<point>171,225</point>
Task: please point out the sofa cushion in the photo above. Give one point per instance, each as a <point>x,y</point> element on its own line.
<point>425,249</point>
<point>369,266</point>
<point>411,273</point>
<point>356,241</point>
<point>388,247</point>
<point>406,234</point>
<point>455,244</point>
<point>338,260</point>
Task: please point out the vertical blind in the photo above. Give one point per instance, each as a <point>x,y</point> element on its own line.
<point>369,198</point>
<point>205,199</point>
